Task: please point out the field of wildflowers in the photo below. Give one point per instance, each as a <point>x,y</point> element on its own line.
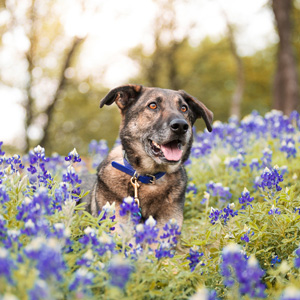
<point>240,238</point>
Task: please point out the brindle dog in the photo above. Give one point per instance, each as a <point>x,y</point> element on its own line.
<point>156,136</point>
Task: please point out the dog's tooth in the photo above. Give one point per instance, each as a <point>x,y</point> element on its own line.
<point>155,144</point>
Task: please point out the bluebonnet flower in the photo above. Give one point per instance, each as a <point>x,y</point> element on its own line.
<point>297,259</point>
<point>34,209</point>
<point>222,215</point>
<point>274,211</point>
<point>3,195</point>
<point>100,245</point>
<point>3,229</point>
<point>288,146</point>
<point>90,237</point>
<point>171,231</point>
<point>86,259</point>
<point>290,293</point>
<point>98,151</point>
<point>1,152</point>
<point>119,270</point>
<point>169,240</point>
<point>146,233</point>
<point>73,157</point>
<point>7,265</point>
<point>275,260</point>
<point>15,163</point>
<point>253,123</point>
<point>297,209</point>
<point>271,179</point>
<point>73,179</point>
<point>229,212</point>
<point>267,158</point>
<point>247,273</point>
<point>37,170</point>
<point>82,278</point>
<point>39,291</point>
<point>245,198</point>
<point>12,238</point>
<point>191,187</point>
<point>165,249</point>
<point>108,211</point>
<point>201,148</point>
<point>235,162</point>
<point>254,164</point>
<point>105,244</point>
<point>46,256</point>
<point>217,189</point>
<point>55,163</point>
<point>194,257</point>
<point>248,232</point>
<point>214,215</point>
<point>205,197</point>
<point>130,206</point>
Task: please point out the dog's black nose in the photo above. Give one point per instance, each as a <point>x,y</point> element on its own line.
<point>179,126</point>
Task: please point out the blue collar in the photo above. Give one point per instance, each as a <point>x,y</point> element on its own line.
<point>128,169</point>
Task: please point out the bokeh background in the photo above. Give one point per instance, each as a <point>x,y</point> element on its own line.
<point>58,58</point>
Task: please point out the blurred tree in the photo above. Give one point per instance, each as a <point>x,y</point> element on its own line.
<point>47,55</point>
<point>286,89</point>
<point>77,119</point>
<point>237,97</point>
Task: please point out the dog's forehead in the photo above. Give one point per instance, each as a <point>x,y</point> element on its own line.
<point>161,94</point>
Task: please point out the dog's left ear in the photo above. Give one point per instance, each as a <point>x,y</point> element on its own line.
<point>199,109</point>
<point>122,95</point>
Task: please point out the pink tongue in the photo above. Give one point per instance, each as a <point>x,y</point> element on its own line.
<point>171,151</point>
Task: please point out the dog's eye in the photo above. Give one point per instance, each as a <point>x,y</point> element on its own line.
<point>153,105</point>
<point>184,108</point>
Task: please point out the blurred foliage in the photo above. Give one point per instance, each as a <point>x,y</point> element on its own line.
<point>78,119</point>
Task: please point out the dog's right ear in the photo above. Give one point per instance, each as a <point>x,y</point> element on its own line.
<point>122,95</point>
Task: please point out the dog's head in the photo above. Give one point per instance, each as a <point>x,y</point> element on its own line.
<point>156,129</point>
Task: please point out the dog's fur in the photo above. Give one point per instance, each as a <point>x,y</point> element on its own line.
<point>140,125</point>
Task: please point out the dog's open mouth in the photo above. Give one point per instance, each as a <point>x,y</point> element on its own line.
<point>171,151</point>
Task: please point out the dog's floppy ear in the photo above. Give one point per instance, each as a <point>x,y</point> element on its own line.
<point>199,109</point>
<point>122,95</point>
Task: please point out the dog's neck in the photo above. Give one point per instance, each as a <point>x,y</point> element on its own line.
<point>128,169</point>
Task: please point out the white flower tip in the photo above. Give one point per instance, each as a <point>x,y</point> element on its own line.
<point>128,200</point>
<point>74,152</point>
<point>139,228</point>
<point>245,190</point>
<point>206,195</point>
<point>38,149</point>
<point>150,222</point>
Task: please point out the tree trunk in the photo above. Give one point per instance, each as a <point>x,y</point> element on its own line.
<point>285,89</point>
<point>237,97</point>
<point>62,82</point>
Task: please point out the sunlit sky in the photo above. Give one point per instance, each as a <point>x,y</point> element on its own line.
<point>119,26</point>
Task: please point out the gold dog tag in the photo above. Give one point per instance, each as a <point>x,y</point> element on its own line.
<point>135,185</point>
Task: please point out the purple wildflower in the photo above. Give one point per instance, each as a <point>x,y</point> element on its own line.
<point>82,278</point>
<point>131,207</point>
<point>73,157</point>
<point>297,259</point>
<point>247,273</point>
<point>146,233</point>
<point>119,270</point>
<point>270,179</point>
<point>194,257</point>
<point>245,198</point>
<point>274,211</point>
<point>6,265</point>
